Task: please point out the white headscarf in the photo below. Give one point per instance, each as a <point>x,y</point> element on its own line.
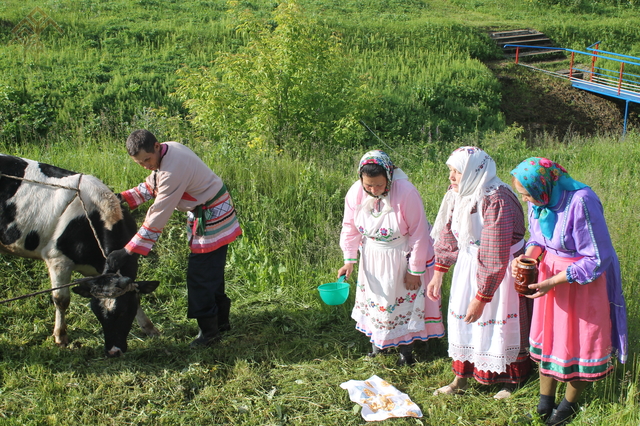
<point>478,180</point>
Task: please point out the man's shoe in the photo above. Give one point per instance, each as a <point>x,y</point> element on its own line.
<point>209,333</point>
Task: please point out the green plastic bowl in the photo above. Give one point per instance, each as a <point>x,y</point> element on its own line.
<point>334,293</point>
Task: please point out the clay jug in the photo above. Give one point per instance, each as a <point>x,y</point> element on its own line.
<point>527,273</point>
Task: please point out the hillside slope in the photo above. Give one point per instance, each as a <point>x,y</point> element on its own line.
<point>544,104</point>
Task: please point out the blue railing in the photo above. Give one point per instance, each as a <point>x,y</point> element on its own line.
<point>609,82</point>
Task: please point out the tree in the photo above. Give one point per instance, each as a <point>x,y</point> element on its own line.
<point>290,86</point>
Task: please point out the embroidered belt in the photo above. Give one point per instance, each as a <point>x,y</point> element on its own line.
<point>199,221</point>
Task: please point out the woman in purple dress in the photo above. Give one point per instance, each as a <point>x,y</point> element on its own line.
<point>579,314</point>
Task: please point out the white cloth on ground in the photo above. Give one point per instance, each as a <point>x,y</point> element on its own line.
<point>380,400</point>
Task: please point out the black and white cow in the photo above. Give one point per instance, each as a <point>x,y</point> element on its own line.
<point>43,215</point>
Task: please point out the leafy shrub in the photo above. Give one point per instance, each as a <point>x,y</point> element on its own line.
<point>23,114</point>
<point>289,87</point>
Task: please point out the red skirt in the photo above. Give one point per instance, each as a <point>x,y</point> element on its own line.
<point>517,371</point>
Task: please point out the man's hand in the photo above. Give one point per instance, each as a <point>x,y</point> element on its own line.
<point>116,260</point>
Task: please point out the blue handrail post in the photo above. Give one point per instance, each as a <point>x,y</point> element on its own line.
<point>626,114</point>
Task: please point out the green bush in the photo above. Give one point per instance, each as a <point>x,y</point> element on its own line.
<point>290,87</point>
<point>23,114</point>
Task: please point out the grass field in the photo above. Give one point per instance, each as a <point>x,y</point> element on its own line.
<point>112,70</point>
<point>287,354</point>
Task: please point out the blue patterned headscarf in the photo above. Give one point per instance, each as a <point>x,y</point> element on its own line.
<point>545,181</point>
<point>382,159</point>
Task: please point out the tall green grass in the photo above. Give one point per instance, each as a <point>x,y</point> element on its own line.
<point>115,60</point>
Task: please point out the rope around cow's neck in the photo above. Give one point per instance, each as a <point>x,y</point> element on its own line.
<point>132,286</point>
<point>77,191</point>
<point>24,296</point>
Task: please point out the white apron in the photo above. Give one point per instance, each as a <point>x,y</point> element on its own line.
<point>493,341</point>
<point>384,309</point>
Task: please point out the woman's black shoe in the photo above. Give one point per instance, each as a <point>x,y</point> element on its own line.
<point>544,416</point>
<point>375,351</point>
<point>560,418</point>
<point>405,355</point>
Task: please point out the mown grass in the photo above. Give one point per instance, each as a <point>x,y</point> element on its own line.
<point>287,354</point>
<point>73,103</point>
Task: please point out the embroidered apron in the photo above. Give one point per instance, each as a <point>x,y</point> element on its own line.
<point>384,309</point>
<point>493,341</point>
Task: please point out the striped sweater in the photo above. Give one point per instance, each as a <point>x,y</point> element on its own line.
<point>184,182</point>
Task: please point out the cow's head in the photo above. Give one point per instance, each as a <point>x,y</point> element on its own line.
<point>114,301</point>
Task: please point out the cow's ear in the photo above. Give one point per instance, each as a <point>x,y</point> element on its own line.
<point>83,290</point>
<point>147,287</point>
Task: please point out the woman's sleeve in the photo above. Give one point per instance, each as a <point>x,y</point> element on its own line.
<point>494,255</point>
<point>418,230</point>
<point>446,249</point>
<point>349,236</point>
<point>591,237</point>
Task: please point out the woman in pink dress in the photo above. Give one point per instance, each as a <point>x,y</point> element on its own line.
<point>384,220</point>
<point>579,315</point>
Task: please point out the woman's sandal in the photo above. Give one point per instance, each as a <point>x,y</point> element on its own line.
<point>506,391</point>
<point>448,390</point>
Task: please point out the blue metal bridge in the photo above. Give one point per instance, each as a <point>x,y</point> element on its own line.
<point>615,83</point>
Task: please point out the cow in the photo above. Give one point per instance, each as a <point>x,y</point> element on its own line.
<point>72,221</point>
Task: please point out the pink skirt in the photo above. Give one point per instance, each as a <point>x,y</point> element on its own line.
<point>571,329</point>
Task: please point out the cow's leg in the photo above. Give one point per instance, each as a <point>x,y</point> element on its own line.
<point>60,273</point>
<point>145,323</point>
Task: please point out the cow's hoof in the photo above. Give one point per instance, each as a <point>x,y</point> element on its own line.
<point>61,341</point>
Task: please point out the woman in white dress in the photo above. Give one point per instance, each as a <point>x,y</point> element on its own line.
<point>480,227</point>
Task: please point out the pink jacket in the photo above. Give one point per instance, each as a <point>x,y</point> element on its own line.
<point>409,211</point>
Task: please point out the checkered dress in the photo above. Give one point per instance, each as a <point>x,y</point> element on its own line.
<point>503,227</point>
